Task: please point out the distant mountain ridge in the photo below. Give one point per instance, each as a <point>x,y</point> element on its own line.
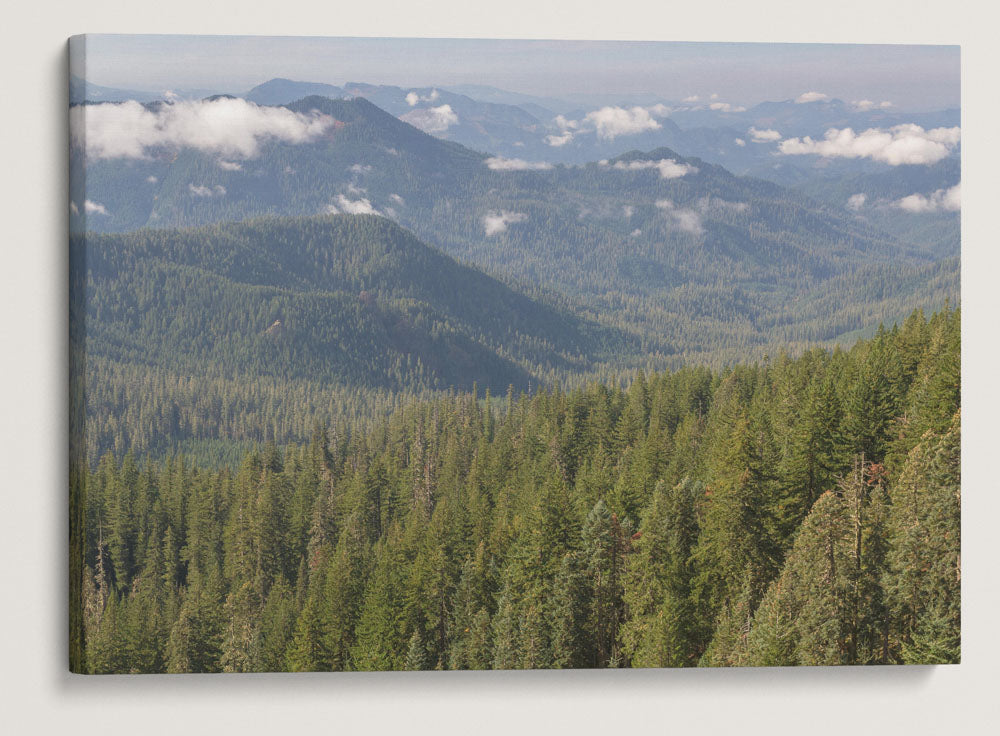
<point>333,299</point>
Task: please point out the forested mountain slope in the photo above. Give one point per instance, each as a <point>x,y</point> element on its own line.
<point>801,511</point>
<point>334,302</point>
<point>687,255</point>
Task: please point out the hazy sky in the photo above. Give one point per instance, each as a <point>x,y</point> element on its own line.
<point>911,77</point>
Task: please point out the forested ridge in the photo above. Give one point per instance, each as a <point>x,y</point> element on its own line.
<point>798,510</point>
<point>207,340</point>
<point>705,268</point>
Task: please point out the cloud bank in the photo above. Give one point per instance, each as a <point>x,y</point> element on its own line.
<point>199,190</point>
<point>685,220</point>
<point>901,144</point>
<point>811,97</point>
<point>668,168</point>
<point>943,200</point>
<point>227,127</point>
<point>764,136</point>
<point>499,163</point>
<point>865,105</point>
<point>431,119</point>
<point>412,98</point>
<point>352,207</point>
<point>856,201</point>
<point>726,107</point>
<point>497,222</point>
<point>611,122</point>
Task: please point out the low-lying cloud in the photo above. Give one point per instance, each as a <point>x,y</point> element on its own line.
<point>726,107</point>
<point>229,165</point>
<point>900,144</point>
<point>497,222</point>
<point>499,163</point>
<point>764,136</point>
<point>811,97</point>
<point>716,205</point>
<point>559,140</point>
<point>94,208</point>
<point>681,218</point>
<point>611,122</point>
<point>668,168</point>
<point>199,190</point>
<point>431,119</point>
<point>347,206</point>
<point>865,105</point>
<point>413,98</point>
<point>227,127</point>
<point>856,201</point>
<point>943,200</point>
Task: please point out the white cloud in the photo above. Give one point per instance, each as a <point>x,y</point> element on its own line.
<point>198,190</point>
<point>943,200</point>
<point>497,222</point>
<point>360,168</point>
<point>356,207</point>
<point>901,144</point>
<point>73,208</point>
<point>865,105</point>
<point>412,98</point>
<point>354,189</point>
<point>764,136</point>
<point>228,127</point>
<point>564,123</point>
<point>611,122</point>
<point>811,97</point>
<point>740,142</point>
<point>683,219</point>
<point>659,110</point>
<point>708,204</point>
<point>856,201</point>
<point>559,140</point>
<point>151,179</point>
<point>229,165</point>
<point>169,94</point>
<point>499,163</point>
<point>726,107</point>
<point>692,98</point>
<point>629,210</point>
<point>396,198</point>
<point>636,233</point>
<point>431,119</point>
<point>668,168</point>
<point>94,208</point>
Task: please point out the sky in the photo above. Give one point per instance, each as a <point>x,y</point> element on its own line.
<point>911,77</point>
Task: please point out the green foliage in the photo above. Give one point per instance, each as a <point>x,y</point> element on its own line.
<point>471,533</point>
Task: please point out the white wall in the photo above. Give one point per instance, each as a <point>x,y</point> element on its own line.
<point>38,696</point>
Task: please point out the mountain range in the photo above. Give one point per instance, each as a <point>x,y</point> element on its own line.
<point>368,255</point>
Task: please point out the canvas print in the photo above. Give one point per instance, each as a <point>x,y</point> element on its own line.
<point>442,354</point>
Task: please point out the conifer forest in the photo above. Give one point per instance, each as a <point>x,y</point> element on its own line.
<point>383,378</point>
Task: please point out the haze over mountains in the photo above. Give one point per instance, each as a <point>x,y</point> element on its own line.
<point>641,256</point>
